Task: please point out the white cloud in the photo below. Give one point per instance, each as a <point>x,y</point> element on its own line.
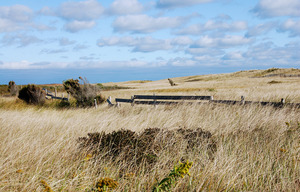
<point>53,51</point>
<point>16,17</point>
<point>182,40</point>
<point>82,10</point>
<point>80,47</point>
<point>76,26</point>
<point>124,7</point>
<point>47,11</point>
<point>16,13</point>
<point>7,26</point>
<point>32,65</point>
<point>233,56</point>
<point>273,8</point>
<point>143,44</point>
<point>182,61</point>
<point>81,64</point>
<point>145,23</point>
<point>222,42</point>
<point>205,51</point>
<point>65,42</point>
<point>78,15</point>
<point>119,41</point>
<point>203,45</point>
<point>222,17</point>
<point>261,29</point>
<point>179,3</point>
<point>21,40</point>
<point>211,25</point>
<point>149,44</point>
<point>291,26</point>
<point>269,54</point>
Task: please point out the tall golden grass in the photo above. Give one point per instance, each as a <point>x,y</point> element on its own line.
<point>258,148</point>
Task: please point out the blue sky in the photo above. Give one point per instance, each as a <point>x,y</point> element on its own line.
<point>111,41</point>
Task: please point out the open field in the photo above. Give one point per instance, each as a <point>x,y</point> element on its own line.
<point>256,148</point>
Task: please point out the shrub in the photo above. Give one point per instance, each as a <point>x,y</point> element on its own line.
<point>12,88</point>
<point>171,82</point>
<point>84,93</point>
<point>32,94</point>
<point>72,86</point>
<point>146,147</point>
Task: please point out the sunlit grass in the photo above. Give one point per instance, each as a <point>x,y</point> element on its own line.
<point>258,148</point>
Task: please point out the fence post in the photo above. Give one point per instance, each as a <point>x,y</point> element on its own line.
<point>242,100</point>
<point>62,96</point>
<point>68,99</point>
<point>55,92</point>
<point>95,100</point>
<point>212,98</point>
<point>132,100</point>
<point>282,101</point>
<point>154,103</point>
<point>46,92</point>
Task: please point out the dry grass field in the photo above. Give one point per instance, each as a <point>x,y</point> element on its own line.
<point>255,148</point>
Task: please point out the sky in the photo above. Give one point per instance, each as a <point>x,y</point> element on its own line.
<point>121,40</point>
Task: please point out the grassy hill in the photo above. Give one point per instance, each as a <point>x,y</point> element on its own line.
<point>233,148</point>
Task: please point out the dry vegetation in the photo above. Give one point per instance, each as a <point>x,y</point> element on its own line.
<point>255,148</point>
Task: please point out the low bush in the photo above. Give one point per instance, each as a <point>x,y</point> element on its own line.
<point>146,147</point>
<point>84,92</point>
<point>12,88</point>
<point>32,94</point>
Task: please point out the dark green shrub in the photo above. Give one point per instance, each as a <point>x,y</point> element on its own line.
<point>12,88</point>
<point>32,94</point>
<point>146,147</point>
<point>84,93</point>
<point>72,86</point>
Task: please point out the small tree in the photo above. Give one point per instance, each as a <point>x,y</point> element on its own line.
<point>32,94</point>
<point>84,93</point>
<point>12,88</point>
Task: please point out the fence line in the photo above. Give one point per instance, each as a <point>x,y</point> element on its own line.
<point>49,93</point>
<point>153,100</point>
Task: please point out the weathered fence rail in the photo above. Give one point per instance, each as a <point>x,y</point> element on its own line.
<point>50,94</point>
<point>159,99</point>
<point>172,97</point>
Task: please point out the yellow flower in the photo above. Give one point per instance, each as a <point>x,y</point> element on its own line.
<point>283,150</point>
<point>47,188</point>
<point>106,183</point>
<point>20,171</point>
<point>88,157</point>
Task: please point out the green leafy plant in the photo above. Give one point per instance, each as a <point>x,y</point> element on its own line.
<point>179,171</point>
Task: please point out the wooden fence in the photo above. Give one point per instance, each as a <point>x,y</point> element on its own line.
<point>164,100</point>
<point>50,94</point>
<point>156,99</point>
